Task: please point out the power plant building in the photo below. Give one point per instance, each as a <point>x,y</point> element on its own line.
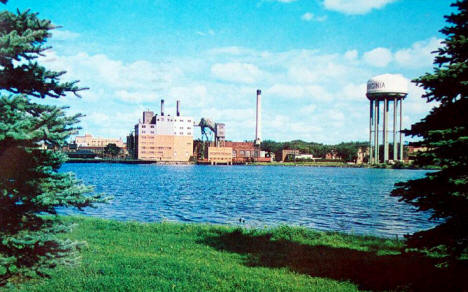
<point>163,137</point>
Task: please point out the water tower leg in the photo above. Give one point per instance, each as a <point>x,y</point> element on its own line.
<point>385,130</point>
<point>395,100</point>
<point>376,132</point>
<point>401,126</point>
<point>371,117</point>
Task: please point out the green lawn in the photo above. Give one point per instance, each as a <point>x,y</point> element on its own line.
<point>194,257</point>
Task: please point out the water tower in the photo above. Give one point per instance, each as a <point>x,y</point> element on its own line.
<point>385,89</point>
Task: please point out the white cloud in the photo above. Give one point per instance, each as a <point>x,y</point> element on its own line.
<point>414,105</point>
<point>236,72</point>
<point>308,109</point>
<point>136,96</point>
<point>62,35</point>
<point>335,115</point>
<point>378,57</point>
<point>209,32</point>
<point>307,94</point>
<point>309,16</point>
<point>318,93</point>
<point>286,91</point>
<point>98,118</point>
<point>311,92</point>
<point>419,55</point>
<point>302,74</point>
<point>352,91</point>
<point>236,51</point>
<point>100,69</point>
<point>355,6</point>
<point>351,55</point>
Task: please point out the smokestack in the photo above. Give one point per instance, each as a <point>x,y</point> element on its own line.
<point>162,107</point>
<point>258,128</point>
<point>178,108</point>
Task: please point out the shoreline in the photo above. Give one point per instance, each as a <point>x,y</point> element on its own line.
<point>296,164</point>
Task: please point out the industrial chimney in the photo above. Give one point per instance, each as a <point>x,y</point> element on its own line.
<point>178,108</point>
<point>258,129</point>
<point>162,107</point>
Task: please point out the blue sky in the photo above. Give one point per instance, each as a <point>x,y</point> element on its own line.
<point>311,59</point>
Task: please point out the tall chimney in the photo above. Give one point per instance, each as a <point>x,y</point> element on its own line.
<point>258,128</point>
<point>178,108</point>
<point>162,107</point>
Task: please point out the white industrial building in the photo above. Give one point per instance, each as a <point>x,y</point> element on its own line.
<point>163,137</point>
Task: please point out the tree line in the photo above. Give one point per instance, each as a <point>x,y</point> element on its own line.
<point>346,151</point>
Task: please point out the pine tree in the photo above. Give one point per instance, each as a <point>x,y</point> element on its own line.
<point>30,183</point>
<point>444,132</point>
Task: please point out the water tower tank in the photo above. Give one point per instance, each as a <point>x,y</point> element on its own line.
<point>387,85</point>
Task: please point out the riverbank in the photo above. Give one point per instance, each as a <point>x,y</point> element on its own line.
<point>125,161</point>
<point>306,163</point>
<point>130,256</point>
<point>343,164</point>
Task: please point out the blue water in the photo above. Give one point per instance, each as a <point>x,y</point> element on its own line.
<point>353,200</point>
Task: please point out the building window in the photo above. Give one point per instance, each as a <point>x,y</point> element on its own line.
<point>247,153</point>
<point>181,133</point>
<point>143,126</point>
<point>189,121</point>
<point>234,153</point>
<point>181,128</point>
<point>152,127</point>
<point>189,133</point>
<point>242,153</point>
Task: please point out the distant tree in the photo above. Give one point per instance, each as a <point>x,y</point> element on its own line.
<point>445,133</point>
<point>347,152</point>
<point>30,183</point>
<point>271,146</point>
<point>112,149</point>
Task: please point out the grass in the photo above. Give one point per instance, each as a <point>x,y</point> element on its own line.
<point>130,256</point>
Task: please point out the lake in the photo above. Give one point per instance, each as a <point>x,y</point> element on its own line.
<point>353,200</point>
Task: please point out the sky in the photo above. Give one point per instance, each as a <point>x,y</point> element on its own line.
<point>310,58</point>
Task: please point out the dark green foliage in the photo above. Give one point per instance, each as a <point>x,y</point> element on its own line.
<point>347,151</point>
<point>445,133</point>
<point>30,184</point>
<point>271,146</point>
<point>112,149</point>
